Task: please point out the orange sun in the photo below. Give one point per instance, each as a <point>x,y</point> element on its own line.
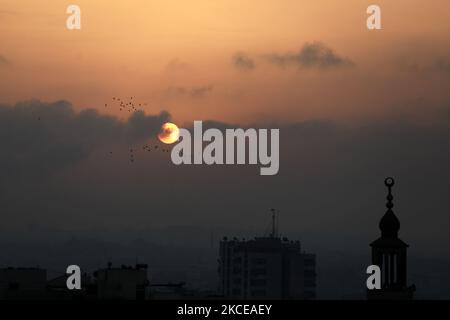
<point>169,133</point>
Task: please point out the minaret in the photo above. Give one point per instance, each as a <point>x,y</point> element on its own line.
<point>389,253</point>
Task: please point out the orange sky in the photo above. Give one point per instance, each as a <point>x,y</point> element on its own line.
<point>163,52</point>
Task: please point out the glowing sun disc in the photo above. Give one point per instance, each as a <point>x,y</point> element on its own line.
<point>169,133</point>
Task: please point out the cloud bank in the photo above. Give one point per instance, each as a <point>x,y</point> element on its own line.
<point>39,138</point>
<point>312,55</point>
<point>56,171</point>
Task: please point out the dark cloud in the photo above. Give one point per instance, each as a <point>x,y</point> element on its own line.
<point>433,65</point>
<point>329,174</point>
<point>409,66</point>
<point>243,61</point>
<point>312,55</point>
<point>329,189</point>
<point>4,61</point>
<point>192,92</point>
<point>442,65</point>
<point>39,138</point>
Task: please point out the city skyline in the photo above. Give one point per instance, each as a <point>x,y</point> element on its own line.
<point>84,176</point>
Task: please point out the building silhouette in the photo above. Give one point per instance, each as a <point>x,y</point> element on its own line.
<point>22,283</point>
<point>125,282</point>
<point>389,253</point>
<point>266,268</point>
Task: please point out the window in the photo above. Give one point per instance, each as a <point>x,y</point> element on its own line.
<point>258,272</point>
<point>237,270</point>
<point>310,283</point>
<point>309,262</point>
<point>310,273</point>
<point>258,282</point>
<point>259,261</point>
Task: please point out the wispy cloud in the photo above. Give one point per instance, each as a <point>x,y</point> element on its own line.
<point>243,61</point>
<point>192,92</point>
<point>434,64</point>
<point>311,55</point>
<point>176,65</point>
<point>4,61</point>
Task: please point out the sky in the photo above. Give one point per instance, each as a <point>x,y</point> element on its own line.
<point>184,57</point>
<point>353,106</point>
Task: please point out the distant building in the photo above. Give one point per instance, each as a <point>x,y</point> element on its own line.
<point>22,283</point>
<point>389,253</point>
<point>266,268</point>
<point>126,282</point>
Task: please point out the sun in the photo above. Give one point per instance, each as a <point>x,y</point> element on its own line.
<point>169,133</point>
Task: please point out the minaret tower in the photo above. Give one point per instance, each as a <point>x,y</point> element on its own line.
<point>389,253</point>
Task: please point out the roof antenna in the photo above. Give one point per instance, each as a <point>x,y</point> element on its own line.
<point>274,224</point>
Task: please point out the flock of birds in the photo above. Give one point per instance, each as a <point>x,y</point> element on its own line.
<point>130,105</point>
<point>125,105</point>
<point>145,148</point>
<point>149,148</point>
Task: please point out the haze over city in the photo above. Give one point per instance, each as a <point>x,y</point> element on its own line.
<point>353,106</point>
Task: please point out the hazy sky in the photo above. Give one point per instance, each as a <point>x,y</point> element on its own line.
<point>205,59</point>
<point>353,106</point>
